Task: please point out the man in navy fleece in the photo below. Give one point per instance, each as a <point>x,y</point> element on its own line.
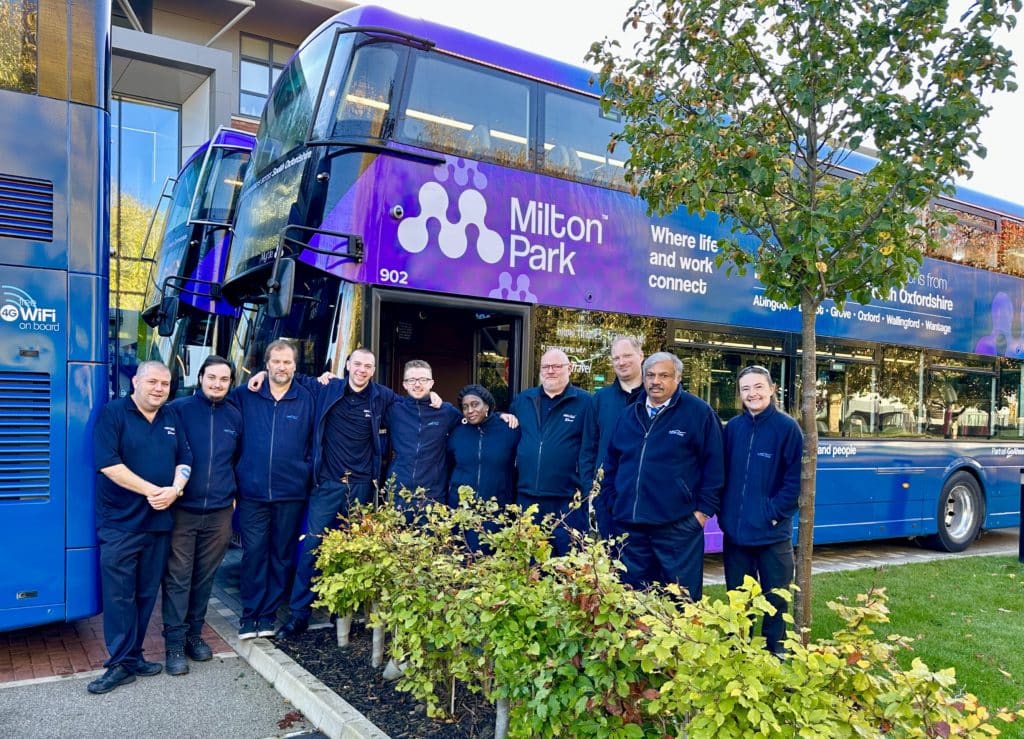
<point>763,447</point>
<point>663,475</point>
<point>418,433</point>
<point>273,473</point>
<point>202,517</point>
<point>627,356</point>
<point>557,451</point>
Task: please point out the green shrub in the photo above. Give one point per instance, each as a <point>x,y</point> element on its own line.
<point>577,653</point>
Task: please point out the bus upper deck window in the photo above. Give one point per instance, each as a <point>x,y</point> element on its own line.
<point>366,97</point>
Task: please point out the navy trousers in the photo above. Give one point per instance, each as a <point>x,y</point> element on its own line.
<point>131,566</point>
<point>577,519</point>
<point>772,566</point>
<point>269,532</point>
<point>669,553</point>
<point>329,500</point>
<point>198,544</point>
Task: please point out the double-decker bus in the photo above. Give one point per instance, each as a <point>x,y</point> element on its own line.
<point>432,194</point>
<point>54,185</point>
<point>192,240</point>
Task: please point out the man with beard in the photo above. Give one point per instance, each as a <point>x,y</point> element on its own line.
<point>202,517</point>
<point>273,473</point>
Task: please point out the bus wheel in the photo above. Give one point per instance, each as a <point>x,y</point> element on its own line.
<point>960,515</point>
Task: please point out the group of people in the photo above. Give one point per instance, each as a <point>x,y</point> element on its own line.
<point>288,448</point>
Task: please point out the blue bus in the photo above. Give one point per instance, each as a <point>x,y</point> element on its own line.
<point>54,233</point>
<point>192,242</point>
<point>432,194</point>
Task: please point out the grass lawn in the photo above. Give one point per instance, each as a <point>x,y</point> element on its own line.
<point>964,613</point>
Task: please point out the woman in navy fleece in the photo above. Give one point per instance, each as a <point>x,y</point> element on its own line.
<point>762,490</point>
<point>482,449</point>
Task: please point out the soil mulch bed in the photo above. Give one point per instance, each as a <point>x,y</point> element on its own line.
<point>348,673</point>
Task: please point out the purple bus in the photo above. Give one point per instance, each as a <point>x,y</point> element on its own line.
<point>432,194</point>
<point>54,247</point>
<point>193,240</point>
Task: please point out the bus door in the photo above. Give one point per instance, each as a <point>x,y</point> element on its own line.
<point>464,341</point>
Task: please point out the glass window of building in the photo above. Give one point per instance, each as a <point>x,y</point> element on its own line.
<point>18,45</point>
<point>261,62</point>
<point>145,151</point>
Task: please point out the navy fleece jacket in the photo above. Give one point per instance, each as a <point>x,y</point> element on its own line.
<point>658,471</point>
<point>762,488</point>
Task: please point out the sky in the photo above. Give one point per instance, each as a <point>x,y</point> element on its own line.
<point>565,29</point>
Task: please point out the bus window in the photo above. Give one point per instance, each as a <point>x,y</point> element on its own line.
<point>289,110</point>
<point>576,139</point>
<point>1008,414</point>
<point>367,95</point>
<point>219,194</point>
<point>899,383</point>
<point>467,110</point>
<point>847,399</point>
<point>959,402</point>
<point>586,337</point>
<point>712,362</point>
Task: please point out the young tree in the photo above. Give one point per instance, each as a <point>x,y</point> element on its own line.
<point>749,108</point>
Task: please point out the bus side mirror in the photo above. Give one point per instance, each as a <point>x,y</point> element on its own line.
<point>281,288</point>
<point>167,316</point>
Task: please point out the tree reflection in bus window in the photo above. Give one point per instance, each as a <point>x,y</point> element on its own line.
<point>467,110</point>
<point>366,98</point>
<point>577,135</point>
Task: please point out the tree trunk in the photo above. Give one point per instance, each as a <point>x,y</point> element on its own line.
<point>343,628</point>
<point>378,642</point>
<point>501,718</point>
<point>809,466</point>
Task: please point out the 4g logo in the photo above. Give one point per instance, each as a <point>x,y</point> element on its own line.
<point>18,305</point>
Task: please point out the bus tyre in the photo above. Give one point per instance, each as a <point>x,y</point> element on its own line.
<point>960,514</point>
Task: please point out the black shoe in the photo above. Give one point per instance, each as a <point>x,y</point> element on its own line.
<point>292,628</point>
<point>114,677</point>
<point>197,649</point>
<point>176,662</point>
<point>148,669</point>
<point>266,627</point>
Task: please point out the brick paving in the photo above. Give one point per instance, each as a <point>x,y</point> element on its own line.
<point>68,648</point>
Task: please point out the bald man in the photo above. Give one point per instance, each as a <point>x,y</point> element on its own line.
<point>557,452</point>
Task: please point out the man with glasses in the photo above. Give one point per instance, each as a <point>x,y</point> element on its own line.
<point>763,447</point>
<point>558,448</point>
<point>627,355</point>
<point>418,434</point>
<point>663,474</point>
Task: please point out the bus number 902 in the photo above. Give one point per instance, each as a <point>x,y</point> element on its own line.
<point>398,277</point>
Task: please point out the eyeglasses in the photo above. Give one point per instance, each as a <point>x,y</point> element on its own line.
<point>417,380</point>
<point>552,367</point>
<point>754,369</point>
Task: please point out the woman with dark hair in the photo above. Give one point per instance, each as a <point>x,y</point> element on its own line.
<point>482,449</point>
